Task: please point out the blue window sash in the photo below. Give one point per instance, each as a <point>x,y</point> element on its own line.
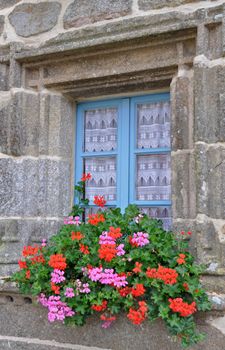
<point>126,151</point>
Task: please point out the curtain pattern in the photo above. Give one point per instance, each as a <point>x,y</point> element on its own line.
<point>103,182</point>
<point>153,179</point>
<point>100,132</point>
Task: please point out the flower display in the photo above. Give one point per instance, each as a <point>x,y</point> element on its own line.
<point>113,262</point>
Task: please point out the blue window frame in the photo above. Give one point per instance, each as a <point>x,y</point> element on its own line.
<point>126,153</point>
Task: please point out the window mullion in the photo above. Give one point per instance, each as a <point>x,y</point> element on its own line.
<point>123,155</point>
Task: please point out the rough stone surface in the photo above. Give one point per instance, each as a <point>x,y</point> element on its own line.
<point>2,22</point>
<point>24,123</point>
<point>209,102</point>
<point>36,124</point>
<point>22,321</point>
<point>31,19</point>
<point>7,3</point>
<point>210,168</point>
<point>182,111</point>
<point>34,187</point>
<point>183,185</point>
<point>81,12</point>
<point>157,4</point>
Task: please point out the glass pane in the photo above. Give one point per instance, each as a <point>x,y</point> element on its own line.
<point>162,213</point>
<point>103,182</point>
<point>153,177</point>
<point>153,125</point>
<point>100,130</point>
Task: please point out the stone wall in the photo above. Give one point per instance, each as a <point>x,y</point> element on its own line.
<point>53,53</point>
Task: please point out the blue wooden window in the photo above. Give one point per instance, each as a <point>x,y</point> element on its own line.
<point>125,144</point>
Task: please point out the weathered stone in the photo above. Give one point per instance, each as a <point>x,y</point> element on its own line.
<point>7,3</point>
<point>208,245</point>
<point>24,123</point>
<point>81,12</point>
<point>2,23</point>
<point>209,102</point>
<point>59,114</point>
<point>183,185</point>
<point>4,77</point>
<point>33,187</point>
<point>157,4</point>
<point>5,98</point>
<point>21,321</point>
<point>210,170</point>
<point>213,283</point>
<point>182,110</point>
<point>31,19</point>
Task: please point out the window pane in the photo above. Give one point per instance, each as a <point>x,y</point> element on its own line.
<point>162,213</point>
<point>153,177</point>
<point>100,130</point>
<point>153,125</point>
<point>103,182</point>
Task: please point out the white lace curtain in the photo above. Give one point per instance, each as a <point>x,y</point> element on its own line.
<point>153,179</point>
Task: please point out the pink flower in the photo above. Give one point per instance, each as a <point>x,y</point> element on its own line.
<point>120,250</point>
<point>106,239</point>
<point>70,220</point>
<point>140,238</point>
<point>57,310</point>
<point>44,242</point>
<point>57,276</point>
<point>69,293</point>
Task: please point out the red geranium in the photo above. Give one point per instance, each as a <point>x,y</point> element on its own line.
<point>57,261</point>
<point>138,290</point>
<point>76,236</point>
<point>29,250</point>
<point>183,308</point>
<point>22,264</point>
<point>181,259</point>
<point>115,233</point>
<point>86,177</point>
<point>137,267</point>
<point>94,219</point>
<point>100,307</point>
<point>99,201</point>
<point>84,249</point>
<point>107,252</point>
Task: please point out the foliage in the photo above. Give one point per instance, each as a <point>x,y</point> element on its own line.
<point>115,263</point>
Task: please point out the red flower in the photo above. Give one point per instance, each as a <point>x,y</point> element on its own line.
<point>138,316</point>
<point>125,291</point>
<point>167,275</point>
<point>99,201</point>
<point>84,249</point>
<point>57,261</point>
<point>189,233</point>
<point>181,259</point>
<point>28,274</point>
<point>134,244</point>
<point>38,259</point>
<point>100,307</point>
<point>138,290</point>
<point>115,232</point>
<point>22,264</point>
<point>54,288</point>
<point>186,287</point>
<point>107,252</point>
<point>137,267</point>
<point>183,308</point>
<point>94,219</point>
<point>76,236</point>
<point>29,250</point>
<point>86,177</point>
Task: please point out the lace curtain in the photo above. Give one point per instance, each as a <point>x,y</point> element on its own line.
<point>153,179</point>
